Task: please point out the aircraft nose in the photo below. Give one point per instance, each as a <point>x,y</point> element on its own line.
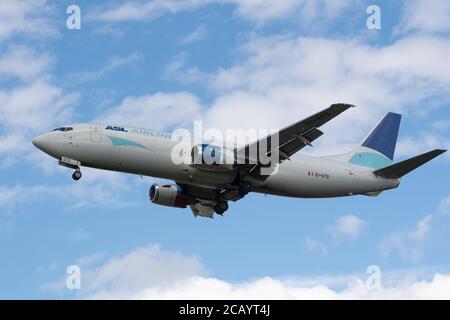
<point>40,142</point>
<point>50,144</point>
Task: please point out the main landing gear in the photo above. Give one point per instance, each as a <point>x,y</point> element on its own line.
<point>245,187</point>
<point>221,207</point>
<point>76,175</point>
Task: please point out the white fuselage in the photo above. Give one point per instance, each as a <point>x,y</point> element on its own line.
<point>149,153</point>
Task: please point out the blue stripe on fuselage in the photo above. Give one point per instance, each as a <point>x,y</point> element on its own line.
<point>116,141</point>
<point>370,160</point>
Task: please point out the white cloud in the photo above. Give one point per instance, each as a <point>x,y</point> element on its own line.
<point>8,194</point>
<point>408,244</point>
<point>315,246</point>
<point>175,65</point>
<point>34,106</point>
<point>263,10</point>
<point>30,102</point>
<point>198,34</point>
<point>30,17</point>
<point>257,11</point>
<point>444,205</point>
<point>176,70</point>
<point>442,124</point>
<point>157,111</point>
<point>133,272</point>
<point>271,288</point>
<point>97,188</point>
<point>423,228</point>
<point>305,11</point>
<point>12,63</point>
<point>144,10</point>
<point>152,273</point>
<point>276,61</point>
<point>28,110</point>
<point>423,142</point>
<point>426,16</point>
<point>347,226</point>
<point>112,65</point>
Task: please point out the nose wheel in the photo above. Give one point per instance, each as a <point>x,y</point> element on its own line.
<point>76,175</point>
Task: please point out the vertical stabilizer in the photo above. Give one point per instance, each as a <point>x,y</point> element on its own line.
<point>378,147</point>
<point>384,137</point>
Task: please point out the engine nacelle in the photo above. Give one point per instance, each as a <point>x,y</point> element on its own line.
<point>205,155</point>
<point>168,195</point>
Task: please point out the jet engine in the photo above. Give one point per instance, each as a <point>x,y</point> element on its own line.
<point>168,195</point>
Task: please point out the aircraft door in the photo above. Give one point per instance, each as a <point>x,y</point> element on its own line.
<point>96,134</point>
<point>68,138</point>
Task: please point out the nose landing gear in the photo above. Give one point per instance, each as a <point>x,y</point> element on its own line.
<point>76,175</point>
<point>73,164</point>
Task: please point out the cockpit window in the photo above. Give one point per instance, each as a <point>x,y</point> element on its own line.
<point>63,129</point>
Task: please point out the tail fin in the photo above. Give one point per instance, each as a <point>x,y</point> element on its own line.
<point>377,148</point>
<point>384,138</point>
<point>400,169</point>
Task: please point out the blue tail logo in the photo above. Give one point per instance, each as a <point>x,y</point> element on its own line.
<point>377,150</point>
<point>384,138</point>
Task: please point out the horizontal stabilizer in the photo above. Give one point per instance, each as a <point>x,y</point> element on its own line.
<point>398,170</point>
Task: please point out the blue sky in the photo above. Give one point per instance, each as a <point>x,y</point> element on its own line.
<point>250,64</point>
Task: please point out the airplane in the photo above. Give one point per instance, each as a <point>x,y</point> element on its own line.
<point>207,187</point>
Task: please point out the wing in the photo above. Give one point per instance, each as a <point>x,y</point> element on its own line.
<point>290,139</point>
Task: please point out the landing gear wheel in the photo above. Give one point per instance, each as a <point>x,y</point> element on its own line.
<point>245,188</point>
<point>221,207</point>
<point>76,175</point>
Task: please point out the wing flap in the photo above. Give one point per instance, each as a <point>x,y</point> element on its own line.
<point>298,142</point>
<point>199,209</point>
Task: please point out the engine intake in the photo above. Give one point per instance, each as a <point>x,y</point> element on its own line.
<point>210,155</point>
<point>168,195</point>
